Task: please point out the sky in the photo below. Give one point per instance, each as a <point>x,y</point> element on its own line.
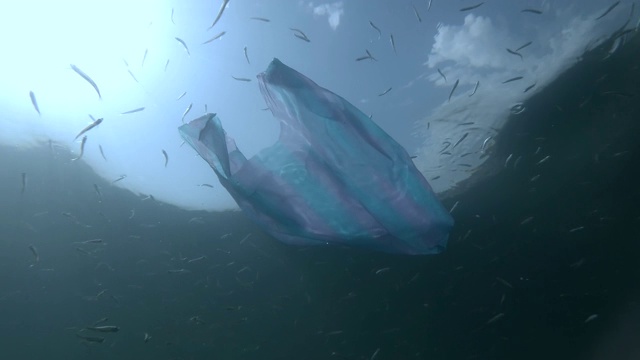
<point>129,49</point>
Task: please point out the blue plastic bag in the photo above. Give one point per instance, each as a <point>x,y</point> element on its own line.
<point>333,177</point>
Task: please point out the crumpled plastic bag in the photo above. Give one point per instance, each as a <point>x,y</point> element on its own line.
<point>333,177</point>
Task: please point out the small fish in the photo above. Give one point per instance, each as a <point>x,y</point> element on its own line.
<point>144,57</point>
<point>591,318</point>
<point>106,328</point>
<point>173,22</point>
<point>441,74</point>
<point>219,35</point>
<point>453,208</point>
<point>89,127</point>
<point>104,319</point>
<point>122,177</point>
<point>97,189</point>
<point>178,271</point>
<point>512,79</point>
<point>524,46</point>
<point>532,11</point>
<point>382,270</point>
<point>84,141</point>
<point>241,79</point>
<point>485,142</point>
<point>95,339</point>
<point>461,139</point>
<point>529,87</point>
<point>246,56</point>
<point>393,43</point>
<point>181,96</point>
<point>34,102</point>
<point>385,92</point>
<point>197,259</point>
<point>300,35</point>
<point>472,7</point>
<point>455,85</point>
<point>24,183</point>
<point>215,21</point>
<point>475,88</point>
<point>526,221</point>
<point>184,45</point>
<point>133,76</point>
<point>515,53</point>
<point>506,163</point>
<point>102,152</point>
<point>368,56</point>
<point>87,78</point>
<point>92,241</point>
<point>415,11</point>
<point>147,337</point>
<point>375,354</point>
<point>544,160</point>
<point>429,6</point>
<point>166,158</point>
<point>376,28</point>
<point>165,65</point>
<point>206,185</point>
<point>186,111</point>
<point>132,111</point>
<point>613,6</point>
<point>495,318</point>
<point>34,252</point>
<point>260,19</point>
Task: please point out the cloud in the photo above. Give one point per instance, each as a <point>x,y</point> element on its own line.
<point>333,10</point>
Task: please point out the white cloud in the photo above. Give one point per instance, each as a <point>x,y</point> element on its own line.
<point>334,11</point>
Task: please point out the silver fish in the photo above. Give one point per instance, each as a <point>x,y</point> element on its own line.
<point>415,11</point>
<point>34,102</point>
<point>240,79</point>
<point>215,21</point>
<point>187,111</point>
<point>144,57</point>
<point>393,43</point>
<point>106,328</point>
<point>97,188</point>
<point>133,76</point>
<point>87,78</point>
<point>515,53</point>
<point>102,152</point>
<point>206,185</point>
<point>219,35</point>
<point>122,177</point>
<point>524,46</point>
<point>378,30</point>
<point>613,6</point>
<point>173,22</point>
<point>34,252</point>
<point>455,85</point>
<point>246,56</point>
<point>95,339</point>
<point>475,88</point>
<point>532,11</point>
<point>84,141</point>
<point>184,45</point>
<point>165,65</point>
<point>441,74</point>
<point>471,7</point>
<point>429,6</point>
<point>181,96</point>
<point>89,127</point>
<point>24,183</point>
<point>529,87</point>
<point>385,92</point>
<point>512,79</point>
<point>166,158</point>
<point>260,19</point>
<point>368,56</point>
<point>132,111</point>
<point>300,35</point>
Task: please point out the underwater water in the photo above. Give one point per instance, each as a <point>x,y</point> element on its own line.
<point>541,261</point>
